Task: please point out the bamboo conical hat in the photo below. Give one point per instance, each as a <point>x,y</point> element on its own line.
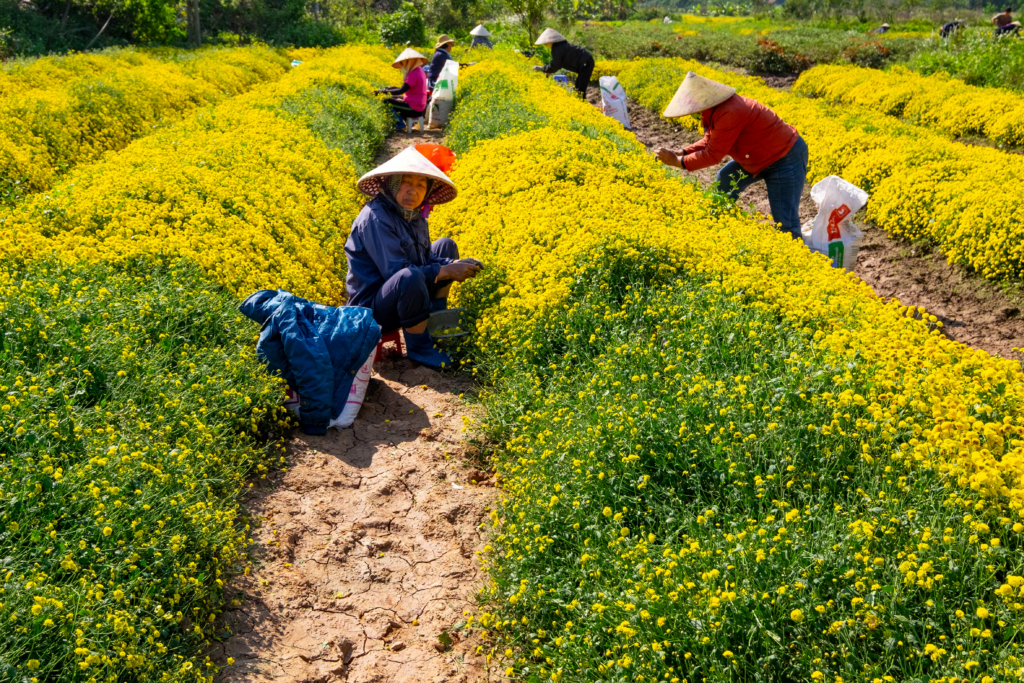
<point>480,31</point>
<point>549,36</point>
<point>409,162</point>
<point>408,53</point>
<point>697,94</point>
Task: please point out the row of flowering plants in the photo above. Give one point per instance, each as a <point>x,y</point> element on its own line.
<point>721,459</point>
<point>59,112</point>
<point>259,189</point>
<point>922,184</point>
<point>936,101</point>
<point>134,411</point>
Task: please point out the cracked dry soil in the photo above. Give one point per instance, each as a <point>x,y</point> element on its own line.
<point>973,310</point>
<point>366,546</point>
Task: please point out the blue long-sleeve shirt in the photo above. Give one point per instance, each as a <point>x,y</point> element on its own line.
<point>382,243</point>
<point>436,64</point>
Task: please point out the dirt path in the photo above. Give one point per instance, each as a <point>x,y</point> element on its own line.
<point>973,310</point>
<point>366,544</point>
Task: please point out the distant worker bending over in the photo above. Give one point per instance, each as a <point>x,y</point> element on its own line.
<point>949,29</point>
<point>762,146</point>
<point>565,55</point>
<point>1004,23</point>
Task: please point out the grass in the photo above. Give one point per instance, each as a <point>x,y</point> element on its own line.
<point>763,47</point>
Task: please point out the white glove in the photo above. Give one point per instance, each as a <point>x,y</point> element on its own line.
<point>538,68</point>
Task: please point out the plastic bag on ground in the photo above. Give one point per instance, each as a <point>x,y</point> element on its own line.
<point>355,395</point>
<point>292,401</point>
<point>443,98</point>
<point>832,232</point>
<point>613,100</point>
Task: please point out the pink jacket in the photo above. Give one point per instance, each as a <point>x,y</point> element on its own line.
<point>416,95</point>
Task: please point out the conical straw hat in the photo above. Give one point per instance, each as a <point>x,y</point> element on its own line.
<point>409,162</point>
<point>480,31</point>
<point>549,36</point>
<point>408,53</point>
<point>697,94</point>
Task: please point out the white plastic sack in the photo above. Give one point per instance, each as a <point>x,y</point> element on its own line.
<point>439,112</point>
<point>443,98</point>
<point>292,401</point>
<point>447,81</point>
<point>832,233</point>
<point>356,394</point>
<point>613,100</point>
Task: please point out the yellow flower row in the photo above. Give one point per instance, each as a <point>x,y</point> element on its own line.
<point>938,101</point>
<point>904,456</point>
<point>250,190</point>
<point>922,185</point>
<point>557,195</point>
<point>59,112</point>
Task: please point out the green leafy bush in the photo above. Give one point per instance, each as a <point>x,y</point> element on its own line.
<point>404,26</point>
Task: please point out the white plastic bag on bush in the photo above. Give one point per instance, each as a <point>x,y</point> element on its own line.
<point>443,98</point>
<point>356,394</point>
<point>447,81</point>
<point>832,232</point>
<point>613,100</point>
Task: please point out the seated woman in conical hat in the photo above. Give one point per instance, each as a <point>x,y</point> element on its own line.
<point>409,101</point>
<point>393,268</point>
<point>762,146</point>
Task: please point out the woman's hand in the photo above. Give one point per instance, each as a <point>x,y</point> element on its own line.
<point>668,157</point>
<point>460,271</point>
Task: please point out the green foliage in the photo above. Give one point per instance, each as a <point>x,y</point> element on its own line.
<point>134,409</point>
<point>488,110</point>
<point>975,56</point>
<point>778,51</point>
<point>347,119</point>
<point>404,26</point>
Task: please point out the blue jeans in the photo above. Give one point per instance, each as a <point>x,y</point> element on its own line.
<point>404,300</point>
<point>784,181</point>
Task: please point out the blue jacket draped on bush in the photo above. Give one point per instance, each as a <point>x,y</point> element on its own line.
<point>317,349</point>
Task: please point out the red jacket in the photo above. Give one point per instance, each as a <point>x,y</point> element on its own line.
<point>743,129</point>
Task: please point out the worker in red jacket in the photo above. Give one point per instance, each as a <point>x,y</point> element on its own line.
<point>762,146</point>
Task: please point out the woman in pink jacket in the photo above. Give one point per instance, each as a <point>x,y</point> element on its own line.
<point>410,100</point>
<point>762,146</point>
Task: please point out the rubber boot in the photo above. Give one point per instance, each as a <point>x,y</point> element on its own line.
<point>420,348</point>
<point>439,304</point>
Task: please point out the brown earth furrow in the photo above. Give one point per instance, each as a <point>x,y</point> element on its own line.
<point>366,551</point>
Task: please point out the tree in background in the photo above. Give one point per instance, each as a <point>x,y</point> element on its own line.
<point>404,26</point>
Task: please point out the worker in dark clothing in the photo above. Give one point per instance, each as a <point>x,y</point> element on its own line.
<point>1004,23</point>
<point>952,27</point>
<point>442,53</point>
<point>393,267</point>
<point>565,55</point>
<point>481,37</point>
